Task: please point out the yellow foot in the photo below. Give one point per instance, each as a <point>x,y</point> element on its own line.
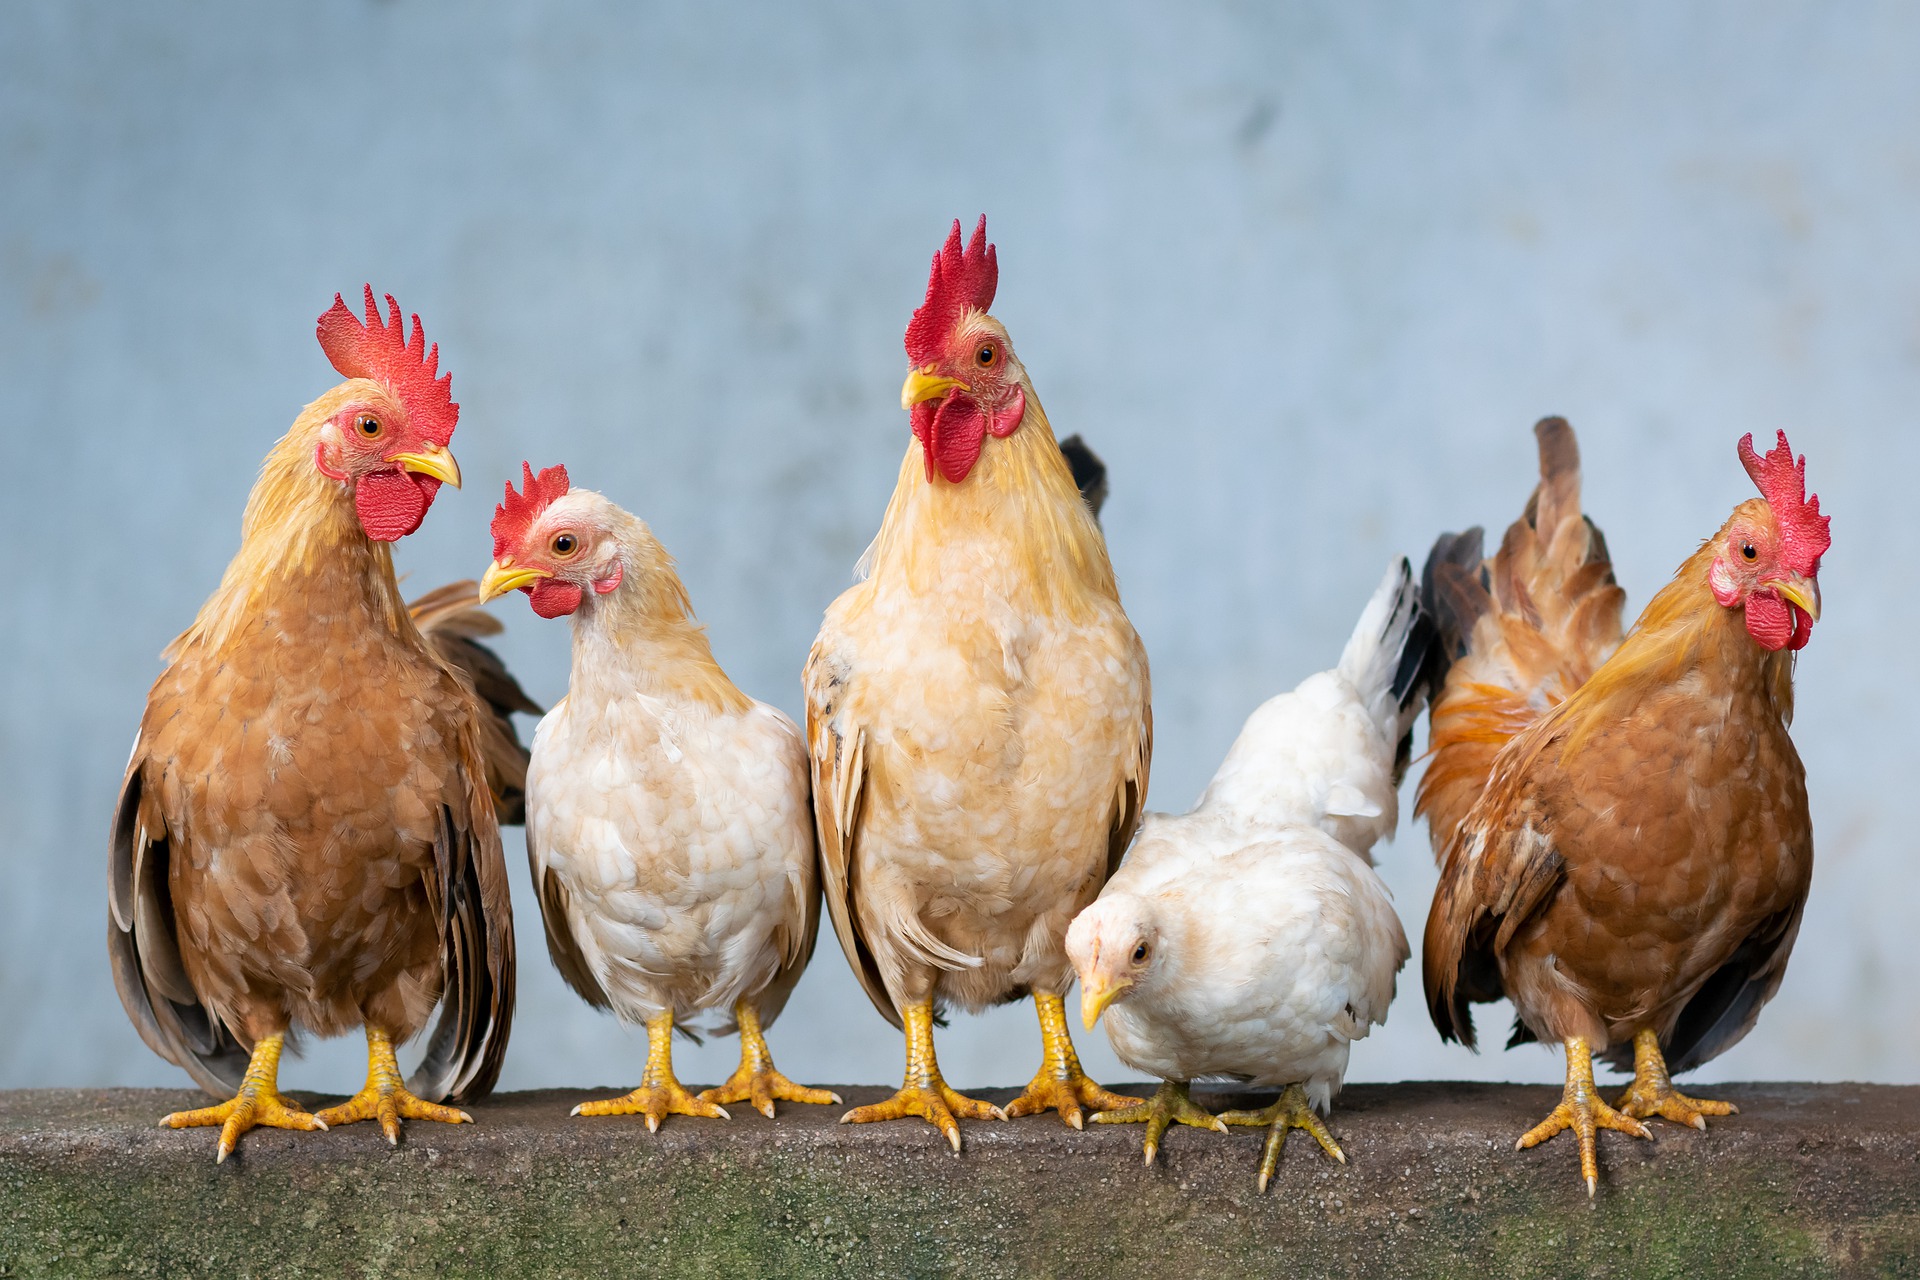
<point>385,1099</point>
<point>933,1102</point>
<point>655,1102</point>
<point>1582,1111</point>
<point>258,1103</point>
<point>1060,1085</point>
<point>1169,1104</point>
<point>1652,1092</point>
<point>1290,1111</point>
<point>761,1087</point>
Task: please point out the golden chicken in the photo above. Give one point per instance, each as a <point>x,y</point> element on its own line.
<point>977,713</point>
<point>1632,868</point>
<point>307,837</point>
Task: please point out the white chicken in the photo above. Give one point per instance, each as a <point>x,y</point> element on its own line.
<point>669,824</point>
<point>1250,939</point>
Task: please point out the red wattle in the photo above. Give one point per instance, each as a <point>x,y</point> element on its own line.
<point>1770,620</point>
<point>391,504</point>
<point>951,434</point>
<point>552,598</point>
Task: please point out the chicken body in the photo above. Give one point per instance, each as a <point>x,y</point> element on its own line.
<point>669,828</point>
<point>1250,937</point>
<point>1632,872</point>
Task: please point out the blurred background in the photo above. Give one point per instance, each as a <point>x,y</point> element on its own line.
<point>1304,274</point>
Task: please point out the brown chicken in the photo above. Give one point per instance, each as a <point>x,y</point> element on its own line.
<point>307,835</point>
<point>1622,824</point>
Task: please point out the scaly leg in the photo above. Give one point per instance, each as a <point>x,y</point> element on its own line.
<point>756,1081</point>
<point>1169,1103</point>
<point>1652,1092</point>
<point>1582,1111</point>
<point>258,1102</point>
<point>1290,1111</point>
<point>385,1098</point>
<point>924,1093</point>
<point>1060,1085</point>
<point>659,1094</point>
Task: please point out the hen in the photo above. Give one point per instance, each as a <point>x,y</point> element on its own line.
<point>307,834</point>
<point>1250,938</point>
<point>668,827</point>
<point>977,712</point>
<point>1631,869</point>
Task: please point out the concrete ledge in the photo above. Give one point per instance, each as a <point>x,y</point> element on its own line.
<point>1808,1180</point>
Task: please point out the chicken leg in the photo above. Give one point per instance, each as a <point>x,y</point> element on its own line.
<point>1290,1111</point>
<point>258,1102</point>
<point>1060,1085</point>
<point>1170,1103</point>
<point>660,1095</point>
<point>385,1098</point>
<point>924,1093</point>
<point>756,1081</point>
<point>1652,1092</point>
<point>1582,1111</point>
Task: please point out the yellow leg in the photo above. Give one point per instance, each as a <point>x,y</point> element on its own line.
<point>1290,1111</point>
<point>1582,1111</point>
<point>385,1098</point>
<point>756,1081</point>
<point>1652,1092</point>
<point>258,1102</point>
<point>1169,1104</point>
<point>659,1094</point>
<point>1060,1085</point>
<point>924,1093</point>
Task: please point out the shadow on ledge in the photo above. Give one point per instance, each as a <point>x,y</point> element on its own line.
<point>1813,1180</point>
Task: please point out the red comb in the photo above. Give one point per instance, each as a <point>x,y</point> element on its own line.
<point>385,353</point>
<point>517,511</point>
<point>960,279</point>
<point>1783,483</point>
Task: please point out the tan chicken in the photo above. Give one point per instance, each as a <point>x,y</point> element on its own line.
<point>669,828</point>
<point>306,837</point>
<point>1631,867</point>
<point>977,712</point>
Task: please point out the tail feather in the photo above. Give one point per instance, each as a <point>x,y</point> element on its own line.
<point>1089,472</point>
<point>1392,657</point>
<point>1518,632</point>
<point>451,618</point>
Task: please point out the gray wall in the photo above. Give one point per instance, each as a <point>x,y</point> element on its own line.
<point>1304,274</point>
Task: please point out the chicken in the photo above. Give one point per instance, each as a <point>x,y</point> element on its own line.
<point>977,712</point>
<point>307,837</point>
<point>669,830</point>
<point>1632,870</point>
<point>1250,937</point>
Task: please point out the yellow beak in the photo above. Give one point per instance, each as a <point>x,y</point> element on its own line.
<point>1095,996</point>
<point>1804,592</point>
<point>925,384</point>
<point>434,460</point>
<point>503,576</point>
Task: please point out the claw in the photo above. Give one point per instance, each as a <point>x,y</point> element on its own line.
<point>385,1099</point>
<point>1169,1104</point>
<point>924,1093</point>
<point>259,1102</point>
<point>1060,1085</point>
<point>1582,1111</point>
<point>755,1081</point>
<point>1652,1092</point>
<point>1290,1111</point>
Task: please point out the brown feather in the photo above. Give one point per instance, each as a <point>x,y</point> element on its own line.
<point>451,618</point>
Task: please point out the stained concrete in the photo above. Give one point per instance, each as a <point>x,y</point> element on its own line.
<point>1805,1181</point>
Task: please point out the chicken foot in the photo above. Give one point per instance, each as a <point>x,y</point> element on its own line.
<point>1582,1111</point>
<point>1060,1085</point>
<point>385,1098</point>
<point>756,1081</point>
<point>1290,1111</point>
<point>660,1095</point>
<point>1170,1103</point>
<point>1652,1092</point>
<point>924,1093</point>
<point>259,1102</point>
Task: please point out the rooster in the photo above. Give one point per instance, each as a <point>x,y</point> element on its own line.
<point>307,834</point>
<point>977,712</point>
<point>1621,824</point>
<point>1250,937</point>
<point>669,830</point>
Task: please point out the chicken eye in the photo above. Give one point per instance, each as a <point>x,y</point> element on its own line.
<point>368,425</point>
<point>985,356</point>
<point>1140,954</point>
<point>564,544</point>
<point>1746,549</point>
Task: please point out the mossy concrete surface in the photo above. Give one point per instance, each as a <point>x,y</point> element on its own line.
<point>1806,1181</point>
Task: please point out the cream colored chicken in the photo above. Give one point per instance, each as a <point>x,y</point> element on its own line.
<point>1250,939</point>
<point>977,712</point>
<point>667,819</point>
